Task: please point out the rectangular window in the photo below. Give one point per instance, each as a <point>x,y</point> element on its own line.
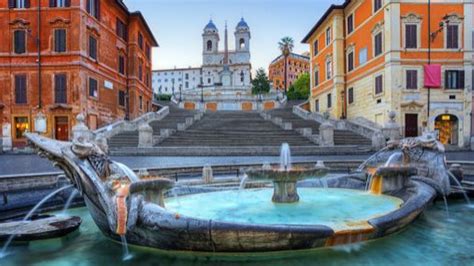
<point>121,29</point>
<point>316,78</point>
<point>140,40</point>
<point>329,100</point>
<point>93,90</point>
<point>20,89</point>
<point>60,40</point>
<point>316,105</point>
<point>452,37</point>
<point>93,8</point>
<point>315,47</point>
<point>92,47</point>
<point>59,3</point>
<point>140,71</point>
<point>378,44</point>
<point>19,3</point>
<point>328,36</point>
<point>19,41</point>
<point>21,126</point>
<point>60,88</point>
<point>377,5</point>
<point>148,51</point>
<point>378,84</point>
<point>411,36</point>
<point>121,62</point>
<point>350,23</point>
<point>350,95</point>
<point>412,79</point>
<point>328,69</point>
<point>454,79</point>
<point>140,101</point>
<point>121,98</point>
<point>350,62</point>
<point>362,56</point>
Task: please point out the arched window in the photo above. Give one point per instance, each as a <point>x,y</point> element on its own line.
<point>209,45</point>
<point>242,43</point>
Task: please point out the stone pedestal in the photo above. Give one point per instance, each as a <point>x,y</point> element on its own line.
<point>285,192</point>
<point>287,126</point>
<point>145,136</point>
<point>80,132</point>
<point>378,140</point>
<point>207,174</point>
<point>7,137</point>
<point>326,134</point>
<point>307,132</point>
<point>391,129</point>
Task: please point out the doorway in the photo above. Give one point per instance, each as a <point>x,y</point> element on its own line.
<point>411,125</point>
<point>447,127</point>
<point>61,128</point>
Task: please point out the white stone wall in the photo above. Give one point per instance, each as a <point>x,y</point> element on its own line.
<point>188,79</point>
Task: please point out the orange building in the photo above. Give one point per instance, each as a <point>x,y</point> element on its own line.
<point>62,58</point>
<point>368,58</point>
<point>297,65</point>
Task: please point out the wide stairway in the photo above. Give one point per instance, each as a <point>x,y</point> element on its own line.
<point>130,138</point>
<point>229,128</point>
<point>341,137</point>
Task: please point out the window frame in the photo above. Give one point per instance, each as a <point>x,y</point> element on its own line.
<point>18,90</point>
<point>315,47</point>
<point>406,80</point>
<point>25,42</point>
<point>350,26</point>
<point>119,100</point>
<point>57,93</point>
<point>380,33</point>
<point>328,36</point>
<point>377,5</point>
<point>460,79</point>
<point>350,95</point>
<point>93,56</point>
<point>55,41</point>
<point>91,80</point>
<point>376,79</point>
<point>329,100</point>
<point>54,3</point>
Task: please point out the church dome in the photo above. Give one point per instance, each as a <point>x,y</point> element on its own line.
<point>210,27</point>
<point>242,25</point>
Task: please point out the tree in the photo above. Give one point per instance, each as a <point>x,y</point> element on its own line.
<point>260,84</point>
<point>286,45</point>
<point>299,90</point>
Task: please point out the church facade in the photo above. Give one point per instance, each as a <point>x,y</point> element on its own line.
<point>223,71</point>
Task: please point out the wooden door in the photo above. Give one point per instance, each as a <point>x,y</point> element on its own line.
<point>411,125</point>
<point>61,128</point>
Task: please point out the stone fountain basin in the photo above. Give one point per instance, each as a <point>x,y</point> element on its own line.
<point>278,175</point>
<point>388,171</point>
<point>164,229</point>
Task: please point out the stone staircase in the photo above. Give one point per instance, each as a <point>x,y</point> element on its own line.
<point>177,119</point>
<point>298,124</point>
<point>234,129</point>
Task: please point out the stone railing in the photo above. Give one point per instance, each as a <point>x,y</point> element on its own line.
<point>360,126</point>
<point>120,126</point>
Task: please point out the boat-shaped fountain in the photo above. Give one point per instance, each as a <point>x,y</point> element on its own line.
<point>125,207</point>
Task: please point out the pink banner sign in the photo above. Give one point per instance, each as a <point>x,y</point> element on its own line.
<point>432,76</point>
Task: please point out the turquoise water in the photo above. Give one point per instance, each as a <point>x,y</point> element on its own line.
<point>331,207</point>
<point>432,240</point>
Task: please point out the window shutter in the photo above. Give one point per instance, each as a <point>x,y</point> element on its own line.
<point>52,3</point>
<point>68,3</point>
<point>27,3</point>
<point>97,7</point>
<point>88,6</point>
<point>11,3</point>
<point>461,80</point>
<point>446,79</point>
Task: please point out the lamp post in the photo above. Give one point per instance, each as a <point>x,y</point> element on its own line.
<point>172,87</point>
<point>180,92</point>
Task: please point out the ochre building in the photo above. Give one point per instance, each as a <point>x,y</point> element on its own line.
<point>296,65</point>
<point>65,57</point>
<point>368,58</point>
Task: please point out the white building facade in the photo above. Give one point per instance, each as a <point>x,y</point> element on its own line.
<point>171,81</point>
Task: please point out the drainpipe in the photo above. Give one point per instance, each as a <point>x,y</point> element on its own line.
<point>344,101</point>
<point>38,45</point>
<point>429,62</point>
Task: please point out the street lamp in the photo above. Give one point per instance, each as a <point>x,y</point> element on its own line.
<point>180,93</point>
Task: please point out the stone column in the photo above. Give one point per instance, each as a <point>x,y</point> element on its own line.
<point>207,174</point>
<point>145,136</point>
<point>391,130</point>
<point>80,132</point>
<point>326,133</point>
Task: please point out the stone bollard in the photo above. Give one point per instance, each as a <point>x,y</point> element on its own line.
<point>207,174</point>
<point>458,173</point>
<point>189,121</point>
<point>378,140</point>
<point>145,136</point>
<point>165,132</point>
<point>287,126</point>
<point>277,120</point>
<point>307,132</point>
<point>391,129</point>
<point>197,116</point>
<point>326,134</point>
<point>80,132</point>
<point>181,126</point>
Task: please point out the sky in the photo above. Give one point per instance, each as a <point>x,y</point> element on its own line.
<point>178,25</point>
